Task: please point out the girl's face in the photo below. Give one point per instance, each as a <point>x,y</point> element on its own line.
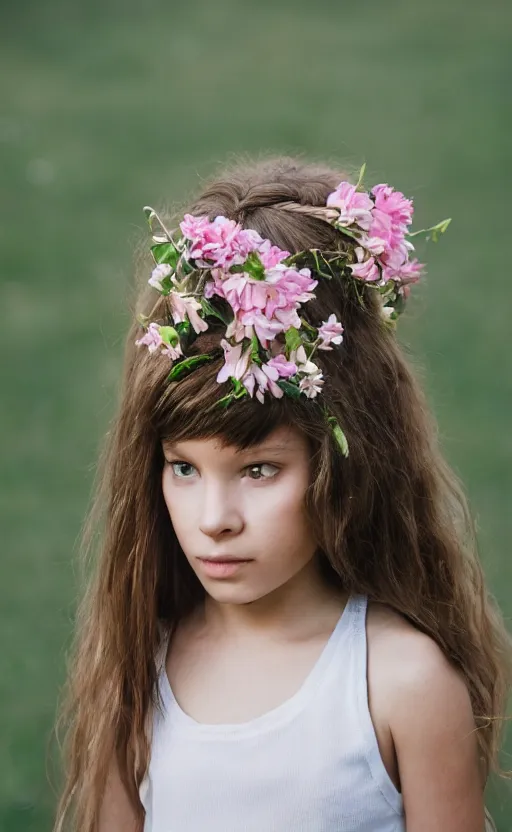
<point>227,503</point>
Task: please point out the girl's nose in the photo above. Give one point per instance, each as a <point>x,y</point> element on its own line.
<point>221,512</point>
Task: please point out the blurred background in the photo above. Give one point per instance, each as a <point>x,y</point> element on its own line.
<point>108,106</point>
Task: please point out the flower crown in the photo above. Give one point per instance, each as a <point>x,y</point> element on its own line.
<point>218,270</point>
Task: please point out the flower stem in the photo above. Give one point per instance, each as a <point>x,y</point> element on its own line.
<point>162,226</point>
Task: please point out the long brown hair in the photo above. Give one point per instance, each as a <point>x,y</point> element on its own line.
<point>391,520</point>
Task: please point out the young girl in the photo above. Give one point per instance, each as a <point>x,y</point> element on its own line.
<point>288,628</point>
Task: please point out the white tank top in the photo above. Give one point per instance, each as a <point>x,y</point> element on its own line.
<point>310,765</point>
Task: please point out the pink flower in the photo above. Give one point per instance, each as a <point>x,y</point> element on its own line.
<point>220,243</point>
<point>152,339</point>
<point>265,329</point>
<point>236,364</point>
<point>270,305</point>
<point>396,256</point>
<point>411,271</point>
<point>407,272</point>
<point>214,286</point>
<point>271,255</point>
<point>172,352</point>
<point>383,233</point>
<point>185,307</point>
<point>265,378</point>
<point>283,288</point>
<point>391,217</point>
<point>296,285</point>
<point>353,205</point>
<point>394,204</point>
<point>285,369</point>
<point>365,269</point>
<point>330,332</point>
<point>397,266</point>
<point>375,245</point>
<point>238,331</point>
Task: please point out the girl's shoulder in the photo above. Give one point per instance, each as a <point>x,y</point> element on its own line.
<point>403,660</point>
<point>402,654</point>
<point>414,690</point>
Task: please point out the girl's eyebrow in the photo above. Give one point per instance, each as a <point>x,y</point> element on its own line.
<point>167,445</point>
<point>255,450</point>
<point>258,450</point>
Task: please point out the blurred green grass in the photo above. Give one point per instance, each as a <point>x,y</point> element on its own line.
<point>106,107</point>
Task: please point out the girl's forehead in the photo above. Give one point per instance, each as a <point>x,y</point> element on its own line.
<point>282,439</point>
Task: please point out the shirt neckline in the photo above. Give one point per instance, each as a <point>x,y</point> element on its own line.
<point>281,713</point>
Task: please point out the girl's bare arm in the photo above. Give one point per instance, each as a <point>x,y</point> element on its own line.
<point>424,704</point>
<point>117,813</point>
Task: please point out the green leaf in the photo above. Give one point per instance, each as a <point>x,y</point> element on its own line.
<point>292,339</point>
<point>289,389</point>
<point>183,328</point>
<point>211,310</point>
<point>238,388</point>
<point>341,439</point>
<point>318,268</point>
<point>187,267</point>
<point>308,327</point>
<point>361,175</point>
<point>436,230</point>
<point>300,258</point>
<point>226,400</point>
<point>348,232</point>
<point>440,228</point>
<point>238,392</point>
<point>254,266</point>
<point>169,335</point>
<point>183,368</point>
<point>339,436</point>
<point>255,349</point>
<point>167,286</point>
<point>166,253</point>
<point>399,304</point>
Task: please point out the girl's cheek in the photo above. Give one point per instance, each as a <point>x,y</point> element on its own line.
<point>281,504</point>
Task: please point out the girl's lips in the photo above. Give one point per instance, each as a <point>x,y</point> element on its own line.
<point>221,568</point>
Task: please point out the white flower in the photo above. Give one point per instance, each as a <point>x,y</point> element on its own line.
<point>387,312</point>
<point>158,274</point>
<point>304,365</point>
<point>311,385</point>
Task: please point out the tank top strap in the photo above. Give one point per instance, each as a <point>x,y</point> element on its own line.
<point>359,612</point>
<point>159,659</point>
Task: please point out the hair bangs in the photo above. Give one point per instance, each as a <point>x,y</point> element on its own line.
<point>191,409</point>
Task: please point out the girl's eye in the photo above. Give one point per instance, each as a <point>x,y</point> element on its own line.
<point>182,470</point>
<point>262,471</point>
